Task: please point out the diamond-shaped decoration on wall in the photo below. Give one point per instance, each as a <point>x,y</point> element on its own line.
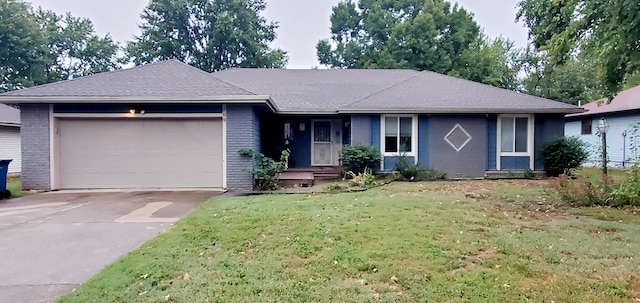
<point>458,137</point>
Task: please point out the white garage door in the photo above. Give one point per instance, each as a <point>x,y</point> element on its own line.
<point>140,153</point>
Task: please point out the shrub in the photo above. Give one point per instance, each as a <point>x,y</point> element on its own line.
<point>357,158</point>
<point>267,170</point>
<point>364,179</point>
<point>582,191</point>
<point>564,154</point>
<point>413,172</point>
<point>628,192</point>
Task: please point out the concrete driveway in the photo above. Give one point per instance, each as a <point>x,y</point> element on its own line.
<point>50,243</point>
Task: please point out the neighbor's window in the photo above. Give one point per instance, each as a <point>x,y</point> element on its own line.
<point>514,134</point>
<point>586,126</point>
<point>398,133</point>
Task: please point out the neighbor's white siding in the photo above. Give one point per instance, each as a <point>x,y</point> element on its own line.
<point>10,147</point>
<point>617,146</point>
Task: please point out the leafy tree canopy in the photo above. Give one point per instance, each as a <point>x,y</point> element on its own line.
<point>208,34</point>
<point>606,32</point>
<point>416,34</point>
<point>38,47</point>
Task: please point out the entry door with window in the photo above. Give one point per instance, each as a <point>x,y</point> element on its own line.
<point>322,147</point>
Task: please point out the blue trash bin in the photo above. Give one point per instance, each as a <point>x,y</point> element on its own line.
<point>4,169</point>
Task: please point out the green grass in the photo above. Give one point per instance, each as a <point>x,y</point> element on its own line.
<point>477,241</point>
<point>14,184</point>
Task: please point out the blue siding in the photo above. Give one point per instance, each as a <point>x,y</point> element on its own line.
<point>361,130</point>
<point>617,145</point>
<point>390,163</point>
<point>148,108</point>
<point>547,129</point>
<point>492,133</point>
<point>375,132</point>
<point>423,141</point>
<point>514,163</point>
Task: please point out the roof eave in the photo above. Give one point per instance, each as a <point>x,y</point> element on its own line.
<point>243,99</point>
<point>462,111</point>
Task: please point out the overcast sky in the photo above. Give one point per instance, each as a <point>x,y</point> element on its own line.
<point>302,22</point>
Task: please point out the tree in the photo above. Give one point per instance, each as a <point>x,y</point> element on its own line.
<point>42,47</point>
<point>575,81</point>
<point>415,34</point>
<point>19,59</point>
<point>605,32</point>
<point>208,34</point>
<point>73,49</point>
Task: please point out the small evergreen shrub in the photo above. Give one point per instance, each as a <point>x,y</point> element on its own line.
<point>357,158</point>
<point>562,155</point>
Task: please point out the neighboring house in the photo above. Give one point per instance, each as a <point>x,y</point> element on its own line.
<point>10,137</point>
<point>622,114</point>
<point>169,125</point>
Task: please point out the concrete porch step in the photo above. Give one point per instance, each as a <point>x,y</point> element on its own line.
<point>296,179</point>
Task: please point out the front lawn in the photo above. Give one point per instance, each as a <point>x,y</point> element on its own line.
<point>476,241</point>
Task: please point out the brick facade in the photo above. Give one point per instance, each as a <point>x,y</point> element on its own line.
<point>35,134</point>
<point>242,133</point>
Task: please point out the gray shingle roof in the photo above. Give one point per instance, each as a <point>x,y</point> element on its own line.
<point>437,93</point>
<point>314,90</point>
<point>292,91</point>
<point>9,115</point>
<point>351,91</point>
<point>165,79</point>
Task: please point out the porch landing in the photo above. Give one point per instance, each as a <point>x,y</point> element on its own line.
<point>307,176</point>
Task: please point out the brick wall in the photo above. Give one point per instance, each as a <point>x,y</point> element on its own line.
<point>35,146</point>
<point>241,134</point>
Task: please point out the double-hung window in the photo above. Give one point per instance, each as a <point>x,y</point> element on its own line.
<point>514,134</point>
<point>399,134</point>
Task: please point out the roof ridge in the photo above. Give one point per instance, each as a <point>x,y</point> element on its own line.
<point>384,88</point>
<point>213,74</point>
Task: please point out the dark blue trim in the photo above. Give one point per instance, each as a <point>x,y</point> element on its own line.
<point>148,108</point>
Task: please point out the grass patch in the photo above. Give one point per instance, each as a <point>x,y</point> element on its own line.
<point>475,241</point>
<point>14,184</point>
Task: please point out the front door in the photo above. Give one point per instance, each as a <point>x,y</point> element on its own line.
<point>322,146</point>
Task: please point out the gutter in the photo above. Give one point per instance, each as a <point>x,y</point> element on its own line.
<point>9,124</point>
<point>464,111</point>
<point>241,99</point>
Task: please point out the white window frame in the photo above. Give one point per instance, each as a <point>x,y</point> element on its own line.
<point>530,141</point>
<point>414,136</point>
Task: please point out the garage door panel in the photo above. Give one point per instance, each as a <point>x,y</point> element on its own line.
<point>139,153</point>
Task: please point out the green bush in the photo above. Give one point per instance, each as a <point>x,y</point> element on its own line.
<point>364,179</point>
<point>628,192</point>
<point>562,155</point>
<point>357,158</point>
<point>583,191</point>
<point>413,172</point>
<point>267,170</point>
